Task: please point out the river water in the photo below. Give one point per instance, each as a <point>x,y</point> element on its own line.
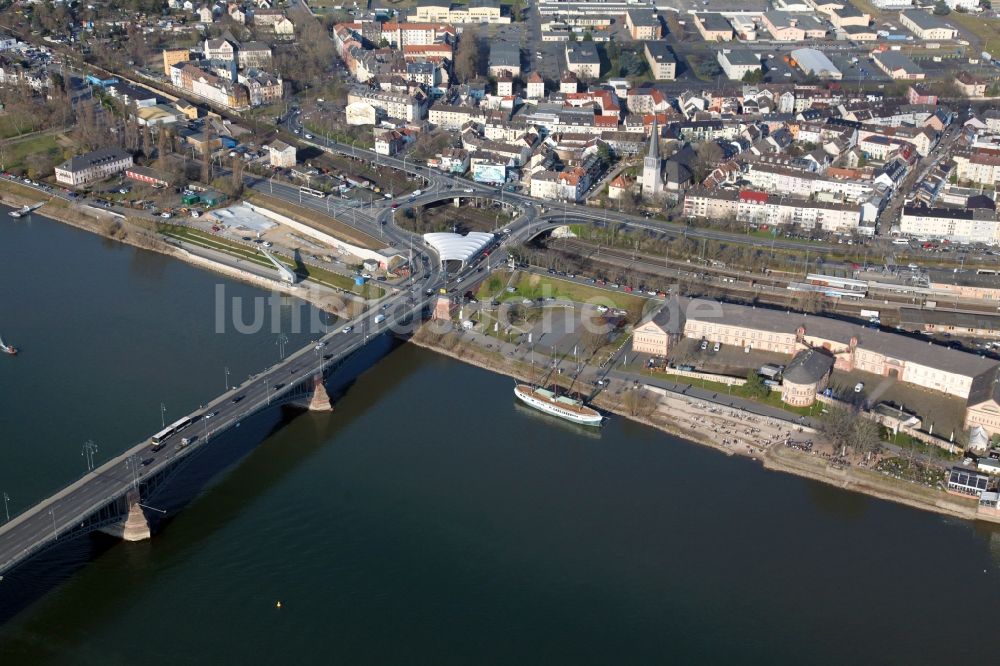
<point>429,519</point>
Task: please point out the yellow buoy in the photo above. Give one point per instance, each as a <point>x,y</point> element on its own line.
<point>278,605</point>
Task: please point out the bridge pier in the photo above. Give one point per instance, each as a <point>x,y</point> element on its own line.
<point>321,399</point>
<point>136,526</point>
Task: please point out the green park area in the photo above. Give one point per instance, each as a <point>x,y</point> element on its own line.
<point>534,286</point>
<point>36,153</point>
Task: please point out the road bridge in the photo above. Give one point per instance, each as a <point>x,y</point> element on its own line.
<point>103,497</point>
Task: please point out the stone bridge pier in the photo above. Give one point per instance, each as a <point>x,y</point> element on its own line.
<point>136,527</point>
<point>320,399</point>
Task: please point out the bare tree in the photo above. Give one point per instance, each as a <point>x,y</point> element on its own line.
<point>467,60</point>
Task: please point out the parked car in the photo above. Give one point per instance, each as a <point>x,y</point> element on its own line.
<point>859,387</point>
<point>717,347</point>
<point>704,345</point>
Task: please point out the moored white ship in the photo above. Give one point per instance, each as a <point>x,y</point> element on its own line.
<point>561,406</point>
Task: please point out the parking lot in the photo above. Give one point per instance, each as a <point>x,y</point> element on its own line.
<point>943,411</point>
<point>729,360</point>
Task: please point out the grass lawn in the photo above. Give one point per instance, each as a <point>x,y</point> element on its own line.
<point>361,139</point>
<point>532,285</point>
<point>313,273</point>
<point>15,153</point>
<point>11,127</point>
<point>867,7</point>
<point>318,220</point>
<point>986,30</point>
<point>22,191</point>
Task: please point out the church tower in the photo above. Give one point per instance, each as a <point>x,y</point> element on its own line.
<point>652,182</point>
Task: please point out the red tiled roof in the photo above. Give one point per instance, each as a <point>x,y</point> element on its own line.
<point>756,197</point>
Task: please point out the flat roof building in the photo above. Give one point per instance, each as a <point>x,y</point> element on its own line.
<point>642,24</point>
<point>582,60</point>
<point>897,65</point>
<point>661,60</point>
<point>713,27</point>
<point>504,56</point>
<point>737,63</point>
<point>926,26</point>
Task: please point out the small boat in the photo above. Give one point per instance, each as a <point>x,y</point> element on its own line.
<point>26,210</point>
<point>562,406</point>
<point>7,349</point>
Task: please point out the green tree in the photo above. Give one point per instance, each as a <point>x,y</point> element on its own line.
<point>753,76</point>
<point>755,386</point>
<point>604,153</point>
<point>941,9</point>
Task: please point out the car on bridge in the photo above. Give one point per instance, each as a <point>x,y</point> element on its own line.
<point>347,329</point>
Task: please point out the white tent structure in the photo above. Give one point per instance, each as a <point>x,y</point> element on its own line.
<point>979,439</point>
<point>456,247</point>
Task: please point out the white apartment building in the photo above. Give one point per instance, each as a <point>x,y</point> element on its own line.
<point>92,167</point>
<point>395,105</point>
<point>451,117</point>
<point>761,208</point>
<point>415,34</point>
<point>980,168</point>
<point>784,180</point>
<point>738,63</point>
<point>957,225</point>
<point>476,11</point>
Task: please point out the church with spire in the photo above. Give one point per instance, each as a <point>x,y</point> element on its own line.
<point>652,165</point>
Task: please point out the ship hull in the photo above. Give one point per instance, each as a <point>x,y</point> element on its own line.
<point>583,416</point>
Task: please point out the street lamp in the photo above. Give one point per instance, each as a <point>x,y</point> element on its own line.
<point>6,499</point>
<point>227,378</point>
<point>89,449</point>
<point>163,411</point>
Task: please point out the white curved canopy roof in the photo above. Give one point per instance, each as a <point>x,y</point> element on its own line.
<point>456,247</point>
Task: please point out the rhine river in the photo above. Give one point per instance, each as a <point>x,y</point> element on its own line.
<point>431,520</point>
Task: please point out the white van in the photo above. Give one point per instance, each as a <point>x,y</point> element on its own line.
<point>379,318</point>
